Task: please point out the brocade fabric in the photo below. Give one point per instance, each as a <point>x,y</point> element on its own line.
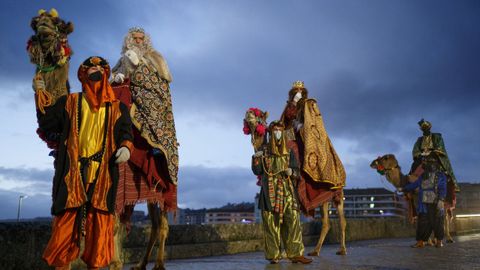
<point>152,115</point>
<point>320,160</point>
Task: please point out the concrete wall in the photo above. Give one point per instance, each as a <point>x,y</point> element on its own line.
<point>22,244</point>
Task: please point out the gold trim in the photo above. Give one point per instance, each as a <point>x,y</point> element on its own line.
<point>76,194</point>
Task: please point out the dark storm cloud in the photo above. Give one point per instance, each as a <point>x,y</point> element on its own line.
<point>375,70</point>
<point>26,174</point>
<point>382,118</point>
<point>201,187</point>
<point>432,73</point>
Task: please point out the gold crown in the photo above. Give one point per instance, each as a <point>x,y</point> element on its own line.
<point>298,84</point>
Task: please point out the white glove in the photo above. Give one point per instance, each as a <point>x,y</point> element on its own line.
<point>288,171</point>
<point>38,84</point>
<point>440,205</point>
<point>297,97</point>
<point>258,154</point>
<point>119,78</point>
<point>133,57</point>
<point>123,154</point>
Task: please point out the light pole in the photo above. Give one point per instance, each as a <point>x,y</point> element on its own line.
<point>20,198</point>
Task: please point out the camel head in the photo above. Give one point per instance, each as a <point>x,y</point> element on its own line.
<point>49,46</point>
<point>388,165</point>
<point>384,163</point>
<point>255,123</point>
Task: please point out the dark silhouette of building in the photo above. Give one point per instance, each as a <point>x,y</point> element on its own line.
<point>468,199</point>
<point>370,203</point>
<point>194,216</point>
<point>231,213</point>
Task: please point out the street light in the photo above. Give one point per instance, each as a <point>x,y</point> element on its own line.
<point>20,198</point>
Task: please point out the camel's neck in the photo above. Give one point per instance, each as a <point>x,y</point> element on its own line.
<point>396,177</point>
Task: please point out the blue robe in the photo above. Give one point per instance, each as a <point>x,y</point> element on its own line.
<point>441,190</point>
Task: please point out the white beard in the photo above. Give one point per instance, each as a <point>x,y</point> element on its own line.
<point>138,50</point>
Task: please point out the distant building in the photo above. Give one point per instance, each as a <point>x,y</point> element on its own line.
<point>369,203</point>
<point>360,203</point>
<point>468,199</point>
<point>231,213</point>
<point>187,216</point>
<point>192,216</point>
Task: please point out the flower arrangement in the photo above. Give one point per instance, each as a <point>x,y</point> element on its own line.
<point>254,120</point>
<point>380,169</point>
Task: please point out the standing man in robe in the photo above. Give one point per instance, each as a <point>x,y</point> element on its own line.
<point>432,191</point>
<point>278,199</point>
<point>95,136</point>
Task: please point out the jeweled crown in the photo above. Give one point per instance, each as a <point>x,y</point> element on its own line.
<point>136,29</point>
<point>298,84</point>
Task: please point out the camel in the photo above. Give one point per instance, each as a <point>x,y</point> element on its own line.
<point>49,50</point>
<point>388,165</point>
<point>251,122</point>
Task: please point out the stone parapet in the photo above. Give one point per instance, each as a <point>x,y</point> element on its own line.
<point>22,244</point>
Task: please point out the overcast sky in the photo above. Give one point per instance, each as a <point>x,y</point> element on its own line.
<point>375,68</point>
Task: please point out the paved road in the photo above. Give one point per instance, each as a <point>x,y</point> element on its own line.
<point>391,254</point>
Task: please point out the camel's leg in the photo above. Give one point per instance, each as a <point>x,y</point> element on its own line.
<point>154,213</point>
<point>343,226</point>
<point>118,234</point>
<point>448,220</point>
<point>325,229</point>
<point>162,237</point>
